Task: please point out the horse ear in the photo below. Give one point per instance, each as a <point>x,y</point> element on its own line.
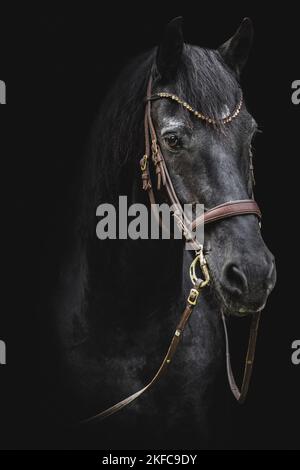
<point>170,50</point>
<point>236,50</point>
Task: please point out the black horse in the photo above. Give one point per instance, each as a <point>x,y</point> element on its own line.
<point>119,300</point>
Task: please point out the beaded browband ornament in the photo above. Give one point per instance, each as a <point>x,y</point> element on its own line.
<point>199,115</point>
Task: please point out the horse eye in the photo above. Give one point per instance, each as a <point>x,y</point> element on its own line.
<point>172,141</point>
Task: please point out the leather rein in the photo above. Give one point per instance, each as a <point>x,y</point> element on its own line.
<point>154,154</point>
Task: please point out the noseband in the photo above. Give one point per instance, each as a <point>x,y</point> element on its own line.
<point>228,209</point>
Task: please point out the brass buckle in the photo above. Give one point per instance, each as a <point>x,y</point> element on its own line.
<point>193,296</point>
<point>198,283</point>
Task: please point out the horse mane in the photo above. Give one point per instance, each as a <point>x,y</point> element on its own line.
<point>117,137</point>
<point>114,140</point>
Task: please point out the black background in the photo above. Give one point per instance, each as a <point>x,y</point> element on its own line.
<point>57,66</point>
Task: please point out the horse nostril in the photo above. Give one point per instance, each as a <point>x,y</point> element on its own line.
<point>234,279</point>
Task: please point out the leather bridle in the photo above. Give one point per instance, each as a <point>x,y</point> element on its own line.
<point>228,209</point>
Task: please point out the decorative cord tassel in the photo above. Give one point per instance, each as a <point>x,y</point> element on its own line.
<point>159,168</point>
<point>146,183</point>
